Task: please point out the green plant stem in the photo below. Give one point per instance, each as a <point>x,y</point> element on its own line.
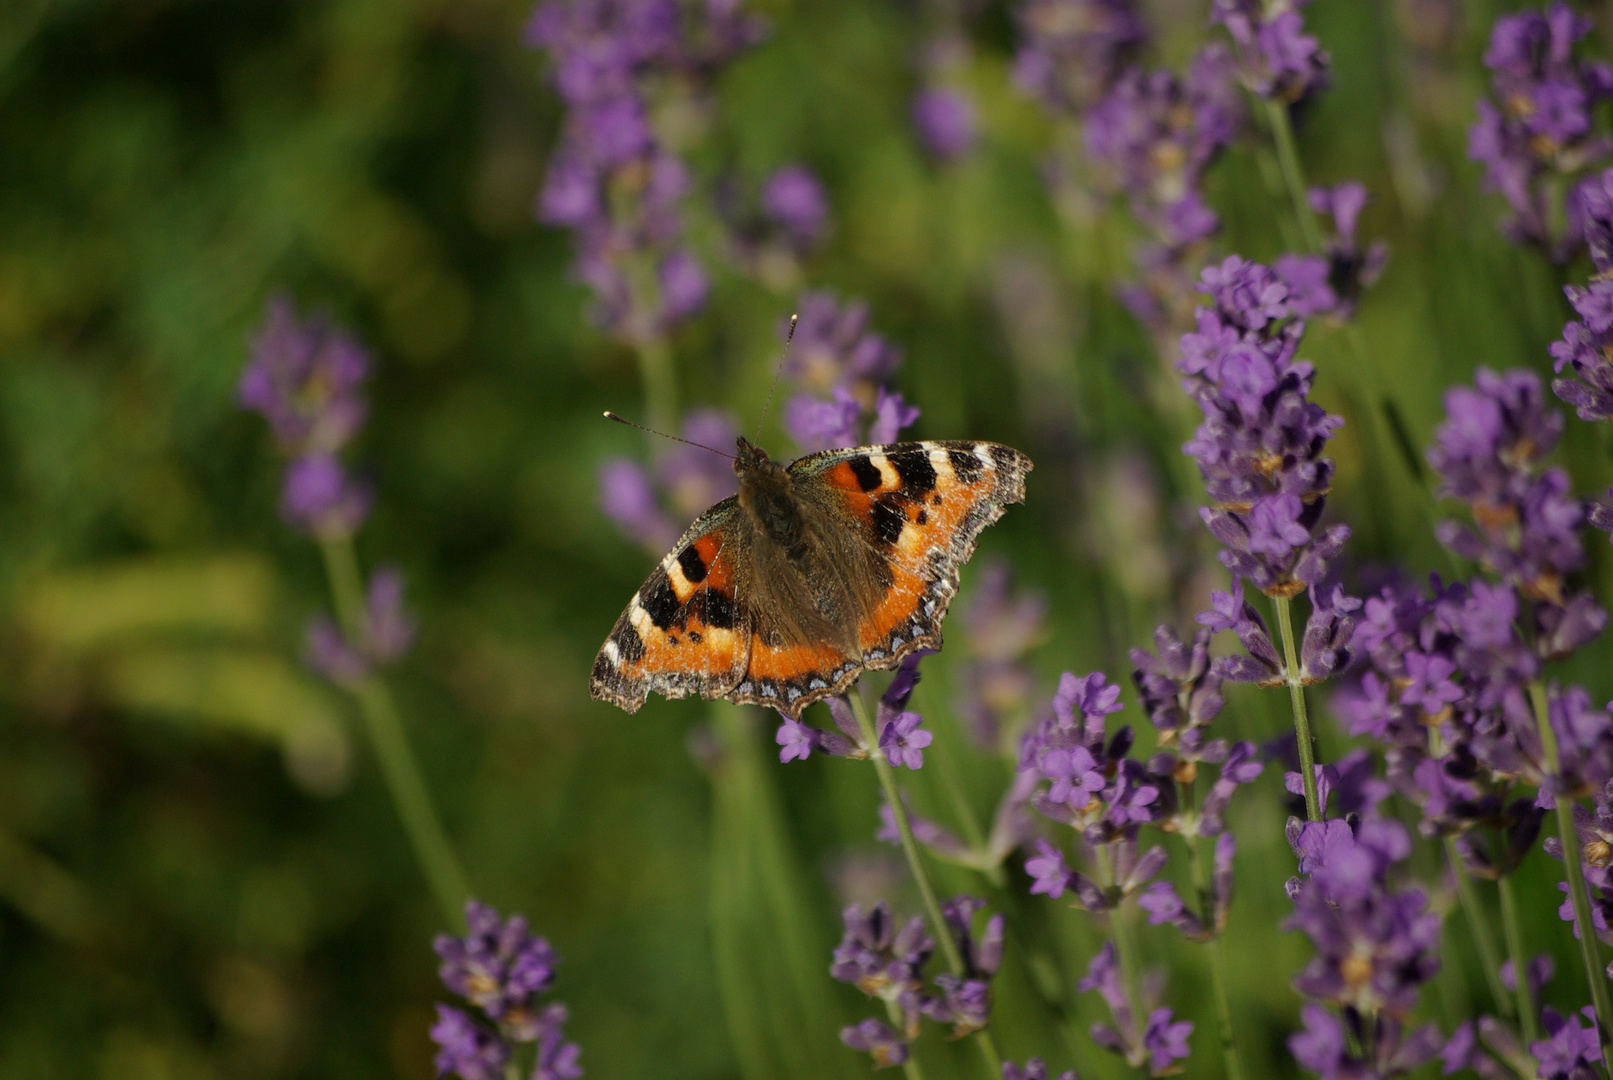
<point>1296,699</point>
<point>1512,926</point>
<point>910,1067</point>
<point>1126,950</point>
<point>1586,932</point>
<point>660,385</point>
<point>1218,961</point>
<point>391,745</point>
<point>915,864</point>
<point>1478,927</point>
<point>1282,134</point>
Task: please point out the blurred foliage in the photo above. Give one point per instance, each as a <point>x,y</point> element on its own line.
<point>200,872</point>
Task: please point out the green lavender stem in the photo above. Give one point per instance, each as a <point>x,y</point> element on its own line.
<point>1296,699</point>
<point>1588,946</point>
<point>1218,960</point>
<point>915,864</point>
<point>1478,928</point>
<point>1513,928</point>
<point>1282,134</point>
<point>391,745</point>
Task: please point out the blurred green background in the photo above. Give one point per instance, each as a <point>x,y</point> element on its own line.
<point>200,872</point>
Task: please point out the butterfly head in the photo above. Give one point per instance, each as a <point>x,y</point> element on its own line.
<point>751,459</point>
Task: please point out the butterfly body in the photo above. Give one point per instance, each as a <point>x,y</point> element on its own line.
<point>781,595</point>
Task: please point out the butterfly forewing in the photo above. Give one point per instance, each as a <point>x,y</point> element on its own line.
<point>687,630</point>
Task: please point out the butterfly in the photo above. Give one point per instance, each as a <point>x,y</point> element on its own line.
<point>781,595</point>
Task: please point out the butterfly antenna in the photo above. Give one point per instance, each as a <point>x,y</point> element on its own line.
<point>776,373</point>
<point>686,442</point>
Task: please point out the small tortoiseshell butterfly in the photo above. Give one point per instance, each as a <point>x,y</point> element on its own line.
<point>782,594</point>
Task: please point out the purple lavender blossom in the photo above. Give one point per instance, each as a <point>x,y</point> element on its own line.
<point>1569,1051</point>
<point>467,1049</point>
<point>1072,51</point>
<point>1539,127</point>
<point>305,378</point>
<point>1586,343</point>
<point>1153,135</point>
<point>1375,947</point>
<point>902,741</point>
<point>794,198</point>
<point>832,352</point>
<point>877,1038</point>
<point>965,1000</point>
<point>1163,1039</point>
<point>944,118</point>
<point>648,505</point>
<point>1280,62</point>
<point>385,634</point>
<point>1260,446</point>
<point>500,968</point>
<point>610,179</point>
<point>1035,1069</point>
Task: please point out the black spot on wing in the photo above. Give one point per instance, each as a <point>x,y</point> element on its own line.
<point>965,465</point>
<point>923,518</point>
<point>604,670</point>
<point>913,466</point>
<point>694,567</point>
<point>1006,459</point>
<point>868,477</point>
<point>659,601</point>
<point>889,521</point>
<point>629,646</point>
<point>718,609</point>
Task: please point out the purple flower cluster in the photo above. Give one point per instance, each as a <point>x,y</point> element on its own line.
<point>833,353</point>
<point>1539,127</point>
<point>1279,61</point>
<point>1375,948</point>
<point>612,178</point>
<point>1002,626</point>
<point>305,377</point>
<point>1072,51</point>
<point>1153,135</point>
<point>649,506</point>
<point>1594,830</point>
<point>1163,1038</point>
<point>946,122</point>
<point>1586,343</point>
<point>769,237</point>
<point>499,968</point>
<point>1260,446</point>
<point>902,737</point>
<point>887,962</point>
<point>384,635</point>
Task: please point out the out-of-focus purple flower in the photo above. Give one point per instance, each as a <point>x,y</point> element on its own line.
<point>1260,446</point>
<point>322,499</point>
<point>882,960</point>
<point>1035,1069</point>
<point>305,378</point>
<point>965,1001</point>
<point>1152,136</point>
<point>610,179</point>
<point>1071,51</point>
<point>944,118</point>
<point>834,347</point>
<point>1280,62</point>
<point>795,199</point>
<point>1048,871</point>
<point>876,1038</point>
<point>1165,1039</point>
<point>1587,343</point>
<point>1002,626</point>
<point>1538,129</point>
<point>385,634</point>
<point>500,968</point>
<point>648,504</point>
<point>467,1049</point>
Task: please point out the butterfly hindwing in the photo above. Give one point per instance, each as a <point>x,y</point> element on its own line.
<point>921,507</point>
<point>686,631</point>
